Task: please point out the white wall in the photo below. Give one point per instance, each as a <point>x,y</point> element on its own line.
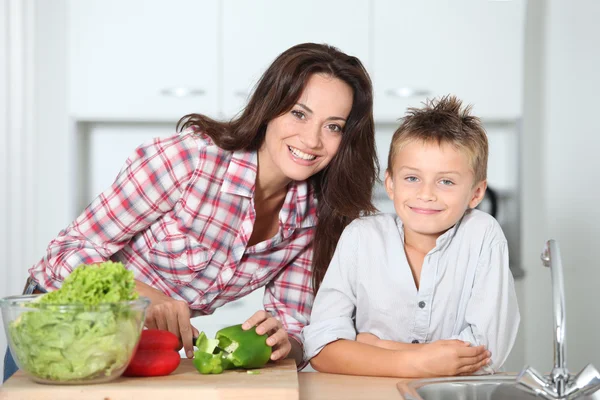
<point>35,201</point>
<point>17,138</point>
<point>560,159</point>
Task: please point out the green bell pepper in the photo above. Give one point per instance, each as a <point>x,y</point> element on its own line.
<point>232,348</point>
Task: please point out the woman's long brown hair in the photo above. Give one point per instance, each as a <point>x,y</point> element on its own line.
<point>344,188</point>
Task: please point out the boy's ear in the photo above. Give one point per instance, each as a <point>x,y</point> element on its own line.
<point>389,185</point>
<point>478,193</point>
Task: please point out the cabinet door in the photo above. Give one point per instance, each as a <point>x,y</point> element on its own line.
<point>256,32</point>
<point>142,59</point>
<point>471,48</point>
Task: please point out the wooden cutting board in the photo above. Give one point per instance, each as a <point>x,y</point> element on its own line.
<point>275,381</point>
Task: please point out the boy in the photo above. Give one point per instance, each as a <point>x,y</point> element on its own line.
<point>428,291</point>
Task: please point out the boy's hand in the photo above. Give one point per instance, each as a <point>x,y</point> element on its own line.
<point>278,338</point>
<point>449,358</point>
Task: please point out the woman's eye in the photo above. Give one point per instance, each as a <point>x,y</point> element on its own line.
<point>411,179</point>
<point>334,128</point>
<point>446,182</point>
<point>298,114</point>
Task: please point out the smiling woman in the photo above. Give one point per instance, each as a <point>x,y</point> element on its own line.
<point>207,216</point>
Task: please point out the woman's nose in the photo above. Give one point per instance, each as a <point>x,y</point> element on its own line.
<point>311,137</point>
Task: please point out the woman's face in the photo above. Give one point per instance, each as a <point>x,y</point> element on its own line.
<point>302,141</point>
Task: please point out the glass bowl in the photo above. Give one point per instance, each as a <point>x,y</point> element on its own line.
<point>74,343</point>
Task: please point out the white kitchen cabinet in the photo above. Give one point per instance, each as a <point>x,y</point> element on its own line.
<point>256,32</point>
<point>471,48</point>
<point>142,59</point>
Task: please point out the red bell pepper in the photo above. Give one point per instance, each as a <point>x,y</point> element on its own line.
<point>156,355</point>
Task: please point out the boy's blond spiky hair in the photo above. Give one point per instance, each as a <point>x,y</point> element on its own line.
<point>445,121</point>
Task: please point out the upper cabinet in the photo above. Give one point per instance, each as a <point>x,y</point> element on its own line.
<point>256,32</point>
<point>471,48</point>
<point>158,60</point>
<point>149,59</point>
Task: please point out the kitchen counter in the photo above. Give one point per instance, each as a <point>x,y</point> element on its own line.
<point>317,386</point>
<point>276,381</point>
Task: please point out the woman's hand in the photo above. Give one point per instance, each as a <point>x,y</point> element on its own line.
<point>450,357</point>
<point>278,337</point>
<point>170,315</point>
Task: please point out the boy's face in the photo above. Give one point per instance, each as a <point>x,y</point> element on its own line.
<point>432,186</point>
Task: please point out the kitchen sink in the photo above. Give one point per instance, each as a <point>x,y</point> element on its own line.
<point>494,387</point>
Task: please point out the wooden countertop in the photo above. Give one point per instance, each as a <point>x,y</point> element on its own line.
<point>276,381</point>
<point>317,386</point>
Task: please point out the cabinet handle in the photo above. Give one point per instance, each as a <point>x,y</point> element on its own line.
<point>407,92</point>
<point>182,92</point>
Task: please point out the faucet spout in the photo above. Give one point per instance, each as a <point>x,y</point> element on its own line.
<point>551,258</point>
<point>560,385</point>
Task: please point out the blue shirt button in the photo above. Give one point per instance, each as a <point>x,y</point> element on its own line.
<point>415,341</point>
<point>421,304</point>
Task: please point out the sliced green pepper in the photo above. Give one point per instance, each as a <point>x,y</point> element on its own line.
<point>208,363</point>
<point>207,359</point>
<point>232,348</point>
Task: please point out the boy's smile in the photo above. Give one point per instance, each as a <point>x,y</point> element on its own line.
<point>432,185</point>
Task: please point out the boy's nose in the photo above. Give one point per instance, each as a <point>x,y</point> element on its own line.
<point>426,193</point>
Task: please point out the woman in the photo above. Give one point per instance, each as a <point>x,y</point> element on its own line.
<point>207,216</point>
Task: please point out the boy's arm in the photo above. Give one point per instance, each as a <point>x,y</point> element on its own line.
<point>355,358</point>
<point>373,340</point>
<point>443,358</point>
<point>492,312</point>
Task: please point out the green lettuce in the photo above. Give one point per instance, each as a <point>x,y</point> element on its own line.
<point>94,336</point>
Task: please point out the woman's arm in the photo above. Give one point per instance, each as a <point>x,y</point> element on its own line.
<point>149,185</point>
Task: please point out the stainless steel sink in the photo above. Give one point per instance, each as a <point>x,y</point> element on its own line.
<point>495,387</point>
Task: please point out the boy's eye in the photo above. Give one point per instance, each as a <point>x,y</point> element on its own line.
<point>334,127</point>
<point>446,182</point>
<point>298,114</point>
<point>411,179</point>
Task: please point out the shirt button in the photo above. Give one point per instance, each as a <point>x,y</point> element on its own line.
<point>415,341</point>
<point>421,304</point>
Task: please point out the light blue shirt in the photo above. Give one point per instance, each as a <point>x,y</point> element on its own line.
<point>466,288</point>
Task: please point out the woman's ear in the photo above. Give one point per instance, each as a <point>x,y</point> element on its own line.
<point>478,193</point>
<point>389,185</point>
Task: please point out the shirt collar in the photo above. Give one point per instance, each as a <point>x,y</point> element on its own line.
<point>441,242</point>
<point>299,208</point>
<point>240,177</point>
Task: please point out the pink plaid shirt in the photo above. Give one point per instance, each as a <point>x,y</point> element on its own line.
<point>179,215</point>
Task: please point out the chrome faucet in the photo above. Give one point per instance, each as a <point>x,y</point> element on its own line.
<point>559,385</point>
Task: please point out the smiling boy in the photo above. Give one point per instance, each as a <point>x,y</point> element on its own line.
<point>428,291</point>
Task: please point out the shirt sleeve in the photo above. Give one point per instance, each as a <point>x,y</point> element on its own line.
<point>332,316</point>
<point>149,185</point>
<point>492,312</point>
